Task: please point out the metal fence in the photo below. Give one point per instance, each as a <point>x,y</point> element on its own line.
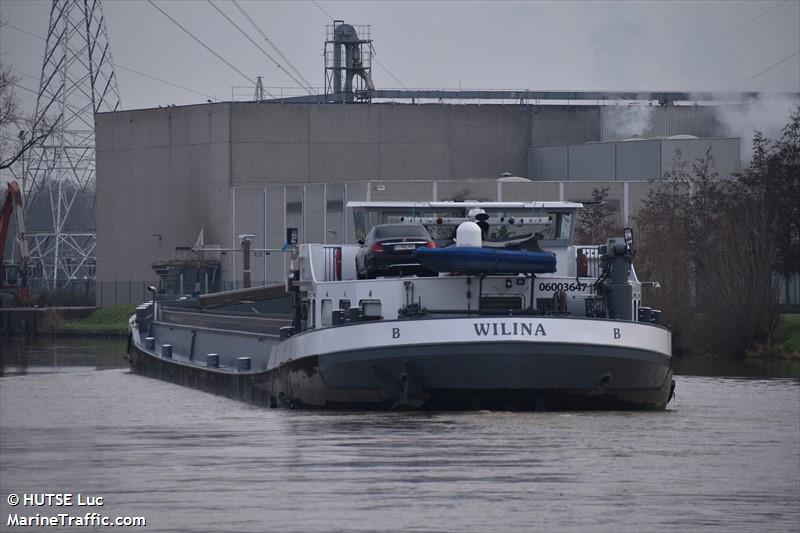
<point>62,292</point>
<point>110,293</point>
<point>88,292</point>
<point>788,289</point>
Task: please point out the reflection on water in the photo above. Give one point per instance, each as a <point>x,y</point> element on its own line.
<point>737,367</point>
<point>19,355</point>
<point>725,456</point>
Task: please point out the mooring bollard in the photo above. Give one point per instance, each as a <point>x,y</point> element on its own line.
<point>242,363</point>
<point>166,351</point>
<point>150,343</point>
<point>212,360</point>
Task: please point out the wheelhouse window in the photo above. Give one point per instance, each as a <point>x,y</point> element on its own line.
<point>506,223</point>
<point>564,226</point>
<point>514,224</point>
<point>561,227</point>
<point>370,309</point>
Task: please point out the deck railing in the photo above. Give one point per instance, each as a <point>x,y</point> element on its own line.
<point>587,261</point>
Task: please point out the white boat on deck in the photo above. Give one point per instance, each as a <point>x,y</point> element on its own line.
<point>484,321</point>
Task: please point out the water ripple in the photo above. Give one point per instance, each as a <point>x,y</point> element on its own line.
<point>725,457</point>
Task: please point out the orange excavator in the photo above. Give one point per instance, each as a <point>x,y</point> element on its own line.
<point>13,277</point>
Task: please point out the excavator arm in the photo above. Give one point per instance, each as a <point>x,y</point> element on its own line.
<point>13,204</point>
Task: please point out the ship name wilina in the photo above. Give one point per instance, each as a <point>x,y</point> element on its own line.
<point>500,329</point>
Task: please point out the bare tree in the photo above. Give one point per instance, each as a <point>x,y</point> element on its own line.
<point>716,245</point>
<point>11,118</point>
<point>9,108</point>
<point>30,134</point>
<point>597,220</point>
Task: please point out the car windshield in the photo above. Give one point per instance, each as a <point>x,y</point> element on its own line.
<point>401,230</point>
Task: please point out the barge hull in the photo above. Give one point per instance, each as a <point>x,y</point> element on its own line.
<point>400,383</point>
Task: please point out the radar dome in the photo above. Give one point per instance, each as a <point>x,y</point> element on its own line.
<point>468,234</point>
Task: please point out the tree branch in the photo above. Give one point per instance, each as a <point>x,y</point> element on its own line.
<point>25,147</point>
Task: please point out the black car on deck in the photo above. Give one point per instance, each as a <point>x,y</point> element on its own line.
<point>389,248</point>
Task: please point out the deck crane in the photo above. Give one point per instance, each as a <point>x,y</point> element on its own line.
<point>13,277</point>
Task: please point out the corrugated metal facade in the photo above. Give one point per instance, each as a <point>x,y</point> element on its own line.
<point>592,161</point>
<point>638,160</point>
<point>631,160</point>
<point>622,122</point>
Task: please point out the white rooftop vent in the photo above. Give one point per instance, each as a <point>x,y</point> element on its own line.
<point>513,179</point>
<point>678,137</point>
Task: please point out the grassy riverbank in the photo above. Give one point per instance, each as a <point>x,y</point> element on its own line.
<point>786,338</point>
<point>107,320</point>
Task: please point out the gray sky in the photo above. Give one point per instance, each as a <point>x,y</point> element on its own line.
<point>714,45</point>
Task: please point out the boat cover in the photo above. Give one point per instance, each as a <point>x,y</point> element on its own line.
<point>471,260</point>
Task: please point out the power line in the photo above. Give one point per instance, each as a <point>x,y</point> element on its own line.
<point>116,65</point>
<point>24,31</point>
<point>403,85</point>
<point>274,47</point>
<point>30,97</point>
<point>752,36</point>
<point>25,88</point>
<point>737,28</point>
<point>18,71</point>
<point>785,59</point>
<point>259,47</point>
<point>322,9</point>
<point>762,28</point>
<point>201,43</point>
<point>165,82</point>
<point>684,56</point>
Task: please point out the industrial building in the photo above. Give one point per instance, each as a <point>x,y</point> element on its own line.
<point>256,168</point>
<point>631,159</point>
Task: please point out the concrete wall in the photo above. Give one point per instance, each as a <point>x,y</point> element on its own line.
<point>312,143</point>
<point>161,174</point>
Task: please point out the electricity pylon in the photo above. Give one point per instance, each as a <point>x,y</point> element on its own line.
<point>77,81</point>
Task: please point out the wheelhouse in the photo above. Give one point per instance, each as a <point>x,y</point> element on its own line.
<point>504,221</point>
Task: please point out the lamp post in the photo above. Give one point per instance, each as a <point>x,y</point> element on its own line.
<point>247,239</point>
<point>152,289</point>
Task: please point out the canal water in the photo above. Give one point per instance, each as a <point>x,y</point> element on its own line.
<point>725,456</point>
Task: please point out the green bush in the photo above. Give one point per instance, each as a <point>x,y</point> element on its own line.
<point>787,334</point>
<point>106,319</point>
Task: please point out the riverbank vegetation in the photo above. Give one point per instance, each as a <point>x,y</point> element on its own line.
<point>787,336</point>
<point>106,320</point>
<point>716,246</point>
